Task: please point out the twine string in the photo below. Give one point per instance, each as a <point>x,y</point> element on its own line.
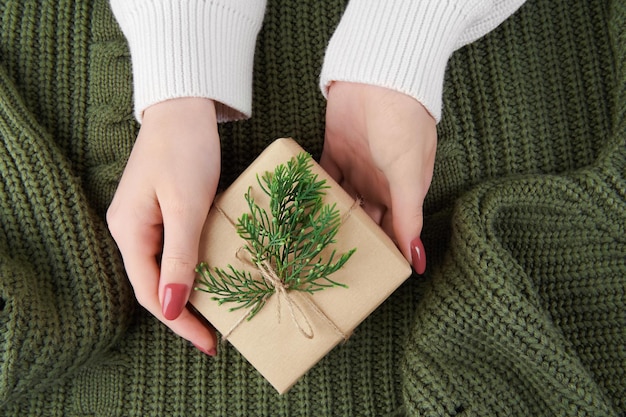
<point>283,292</point>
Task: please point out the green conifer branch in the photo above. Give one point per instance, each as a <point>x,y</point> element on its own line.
<point>292,238</point>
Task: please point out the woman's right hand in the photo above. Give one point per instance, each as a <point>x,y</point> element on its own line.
<point>160,206</point>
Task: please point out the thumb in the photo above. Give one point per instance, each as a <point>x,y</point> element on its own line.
<point>181,239</point>
<point>407,221</point>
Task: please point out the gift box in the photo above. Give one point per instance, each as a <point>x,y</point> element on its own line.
<point>294,329</point>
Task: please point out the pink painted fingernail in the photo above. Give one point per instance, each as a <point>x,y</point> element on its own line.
<point>210,352</point>
<point>174,300</point>
<point>418,256</point>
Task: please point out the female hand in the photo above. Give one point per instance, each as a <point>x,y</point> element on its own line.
<point>380,144</point>
<point>159,208</point>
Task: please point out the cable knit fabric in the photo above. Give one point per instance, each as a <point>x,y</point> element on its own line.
<point>521,310</point>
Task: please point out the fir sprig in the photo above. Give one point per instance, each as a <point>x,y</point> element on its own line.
<point>291,238</point>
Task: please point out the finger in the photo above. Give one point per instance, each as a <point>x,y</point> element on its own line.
<point>376,212</point>
<point>407,221</point>
<point>387,225</point>
<point>329,165</point>
<point>181,239</point>
<point>186,325</point>
<point>140,262</point>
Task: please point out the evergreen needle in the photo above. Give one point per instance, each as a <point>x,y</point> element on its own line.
<point>291,238</point>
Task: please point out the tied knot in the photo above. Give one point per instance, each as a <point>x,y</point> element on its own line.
<point>284,293</point>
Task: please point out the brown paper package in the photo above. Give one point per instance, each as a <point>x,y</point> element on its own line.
<point>271,341</point>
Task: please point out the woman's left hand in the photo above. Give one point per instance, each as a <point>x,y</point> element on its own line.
<point>380,145</point>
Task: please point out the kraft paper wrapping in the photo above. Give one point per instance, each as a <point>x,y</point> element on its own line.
<point>276,349</point>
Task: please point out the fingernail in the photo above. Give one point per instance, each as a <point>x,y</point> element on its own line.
<point>210,352</point>
<point>174,300</point>
<point>418,256</point>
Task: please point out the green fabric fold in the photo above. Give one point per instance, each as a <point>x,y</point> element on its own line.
<point>525,317</point>
<point>526,314</point>
<point>65,299</point>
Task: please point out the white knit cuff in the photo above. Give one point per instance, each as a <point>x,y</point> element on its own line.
<point>402,45</point>
<point>192,48</point>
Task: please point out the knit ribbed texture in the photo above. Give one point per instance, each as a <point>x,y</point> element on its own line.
<point>405,45</point>
<point>63,297</point>
<point>521,311</point>
<point>162,35</point>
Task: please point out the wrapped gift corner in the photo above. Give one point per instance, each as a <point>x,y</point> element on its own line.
<point>277,348</point>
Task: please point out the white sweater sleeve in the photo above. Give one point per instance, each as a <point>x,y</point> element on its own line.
<point>405,45</point>
<point>192,48</point>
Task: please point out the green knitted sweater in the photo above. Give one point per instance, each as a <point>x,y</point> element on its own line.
<point>521,311</point>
